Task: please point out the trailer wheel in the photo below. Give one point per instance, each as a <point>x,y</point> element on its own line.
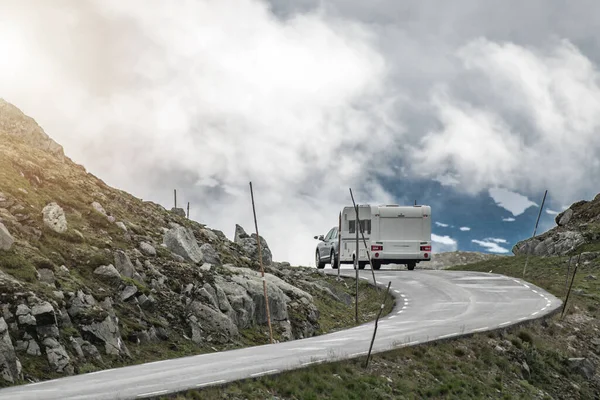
<point>318,261</point>
<point>333,260</point>
<point>375,264</point>
<point>362,264</point>
<point>411,266</point>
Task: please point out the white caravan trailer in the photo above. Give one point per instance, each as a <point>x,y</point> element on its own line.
<point>394,235</point>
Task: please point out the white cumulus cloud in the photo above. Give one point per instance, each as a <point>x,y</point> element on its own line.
<point>442,244</point>
<point>441,224</point>
<point>491,245</point>
<point>465,228</point>
<point>511,201</point>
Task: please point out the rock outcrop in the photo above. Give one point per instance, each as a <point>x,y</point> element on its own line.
<point>54,218</point>
<point>578,225</point>
<point>250,245</point>
<point>6,239</point>
<point>182,242</point>
<point>9,364</point>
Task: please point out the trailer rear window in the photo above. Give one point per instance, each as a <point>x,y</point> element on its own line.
<point>365,224</point>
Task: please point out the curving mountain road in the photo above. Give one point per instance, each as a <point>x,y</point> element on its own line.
<point>430,305</point>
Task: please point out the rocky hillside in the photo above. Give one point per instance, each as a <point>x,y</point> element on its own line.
<point>92,277</point>
<point>453,258</point>
<point>578,228</point>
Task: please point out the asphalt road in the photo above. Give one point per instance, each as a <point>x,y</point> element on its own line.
<point>429,305</point>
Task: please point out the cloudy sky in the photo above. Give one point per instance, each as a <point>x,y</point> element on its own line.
<point>472,107</point>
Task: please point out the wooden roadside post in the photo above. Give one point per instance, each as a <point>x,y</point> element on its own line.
<point>568,273</point>
<point>262,270</point>
<point>356,262</point>
<point>175,196</point>
<point>364,240</point>
<point>534,230</point>
<point>570,287</point>
<point>339,246</point>
<point>188,210</point>
<point>377,321</point>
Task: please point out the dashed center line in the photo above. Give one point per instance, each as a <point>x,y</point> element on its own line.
<point>481,329</point>
<point>505,323</point>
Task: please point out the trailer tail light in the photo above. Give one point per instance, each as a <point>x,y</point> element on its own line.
<point>426,255</point>
<point>425,248</point>
<point>376,248</point>
<point>376,255</point>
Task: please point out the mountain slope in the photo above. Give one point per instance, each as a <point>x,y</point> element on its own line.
<point>92,277</point>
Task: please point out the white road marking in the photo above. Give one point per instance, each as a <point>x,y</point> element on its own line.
<point>404,307</point>
<point>479,278</point>
<point>522,319</point>
<point>399,312</point>
<point>411,343</point>
<point>358,354</point>
<point>210,383</point>
<point>152,393</point>
<point>534,291</point>
<point>485,328</point>
<point>535,313</point>
<point>448,335</point>
<point>544,309</point>
<point>264,372</point>
<point>333,340</point>
<point>312,362</point>
<point>36,383</point>
<point>393,316</point>
<point>397,291</point>
<point>402,295</point>
<point>307,348</point>
<point>505,323</point>
<point>527,286</point>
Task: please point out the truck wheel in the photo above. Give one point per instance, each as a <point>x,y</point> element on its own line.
<point>318,262</point>
<point>333,260</point>
<point>375,264</point>
<point>411,266</point>
<point>362,264</point>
